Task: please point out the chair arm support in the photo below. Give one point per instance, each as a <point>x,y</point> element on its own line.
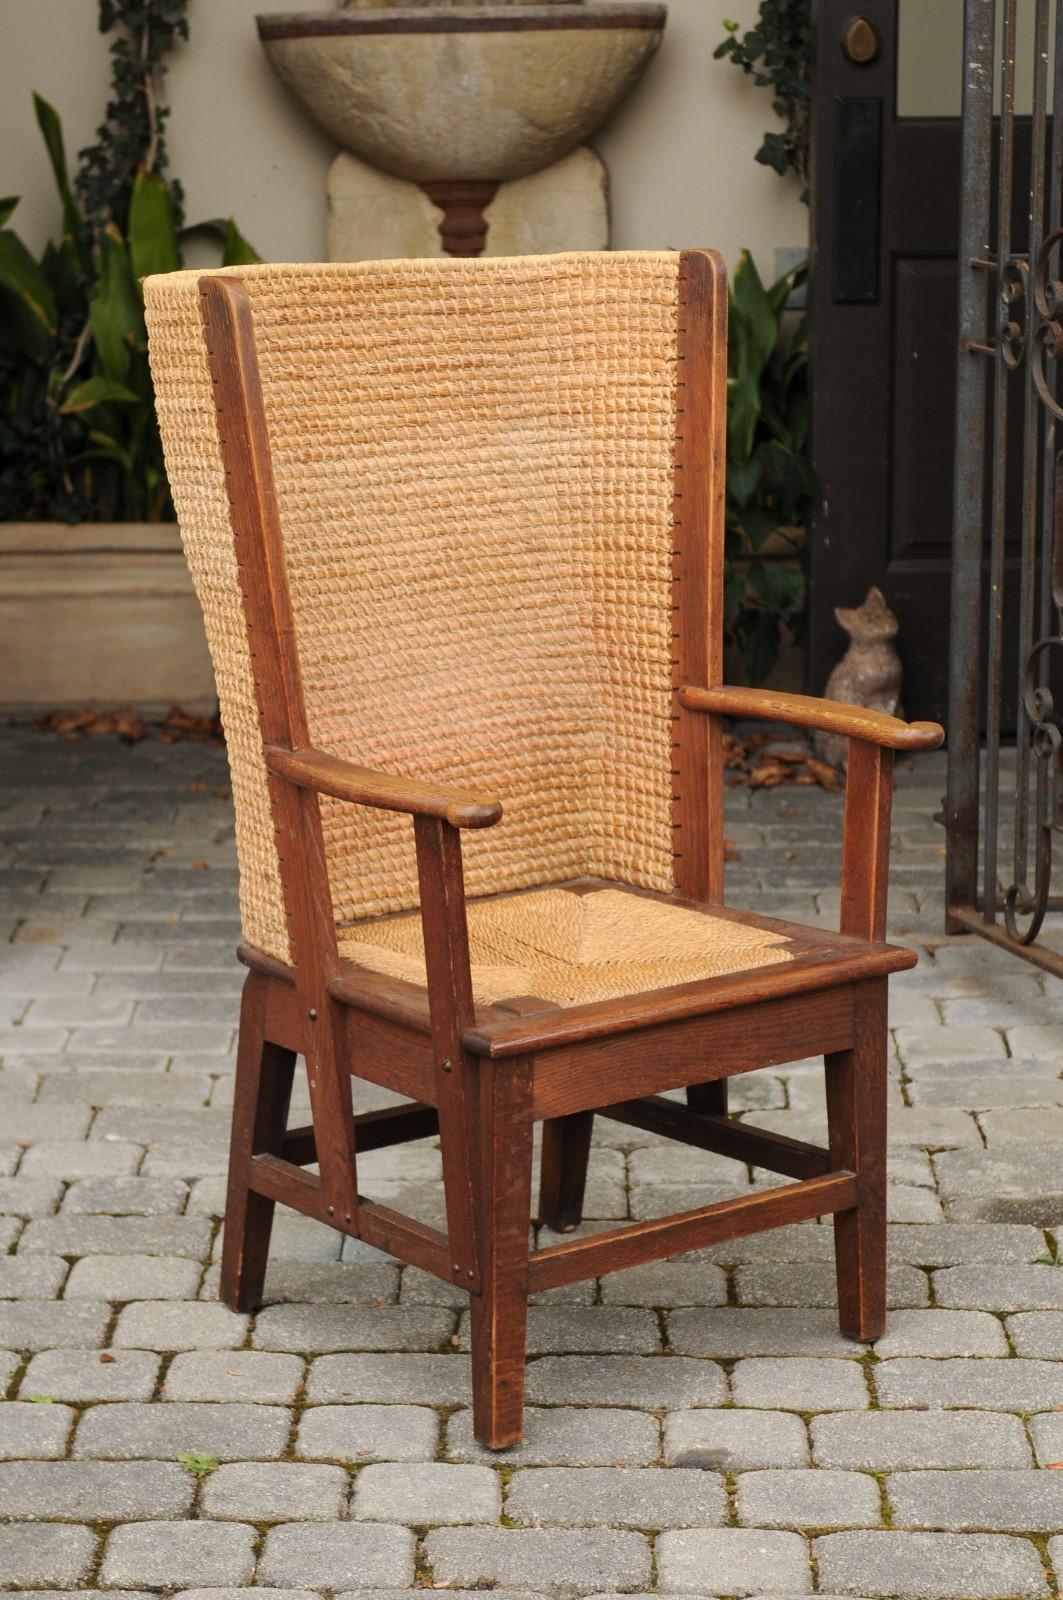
<point>805,711</point>
<point>364,786</point>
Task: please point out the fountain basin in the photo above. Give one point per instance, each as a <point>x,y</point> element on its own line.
<point>434,92</point>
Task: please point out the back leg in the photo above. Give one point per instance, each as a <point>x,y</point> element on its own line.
<point>563,1174</point>
<point>263,1091</point>
<point>708,1098</point>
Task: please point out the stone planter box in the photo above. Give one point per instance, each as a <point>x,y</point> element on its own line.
<point>99,614</point>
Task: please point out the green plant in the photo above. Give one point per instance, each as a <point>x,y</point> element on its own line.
<point>771,486</point>
<point>777,52</point>
<point>78,434</point>
<point>200,1463</point>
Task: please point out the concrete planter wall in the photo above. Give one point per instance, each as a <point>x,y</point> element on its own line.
<point>99,614</point>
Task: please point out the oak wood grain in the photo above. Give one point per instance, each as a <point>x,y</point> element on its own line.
<point>805,711</point>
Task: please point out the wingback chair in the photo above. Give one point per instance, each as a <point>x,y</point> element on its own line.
<point>456,528</point>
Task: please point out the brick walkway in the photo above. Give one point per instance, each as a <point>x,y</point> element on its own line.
<point>696,1426</point>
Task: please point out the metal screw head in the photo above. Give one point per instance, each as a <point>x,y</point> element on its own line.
<point>457,1266</point>
<point>329,1210</point>
<point>445,1065</point>
<point>312,1013</point>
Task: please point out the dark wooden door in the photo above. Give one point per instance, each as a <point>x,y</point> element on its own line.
<point>883,348</point>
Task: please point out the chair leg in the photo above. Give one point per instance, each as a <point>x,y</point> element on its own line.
<point>264,1074</point>
<point>708,1098</point>
<point>563,1169</point>
<point>503,1163</point>
<point>856,1116</point>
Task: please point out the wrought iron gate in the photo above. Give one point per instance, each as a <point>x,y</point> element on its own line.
<point>1008,484</point>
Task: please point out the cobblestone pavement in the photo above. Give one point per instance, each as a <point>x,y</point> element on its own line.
<point>696,1426</point>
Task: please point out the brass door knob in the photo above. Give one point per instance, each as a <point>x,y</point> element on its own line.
<point>861,42</point>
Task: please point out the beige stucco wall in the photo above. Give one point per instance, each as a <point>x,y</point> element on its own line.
<point>679,153</point>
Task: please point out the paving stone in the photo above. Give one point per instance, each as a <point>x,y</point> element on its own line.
<point>623,1497</point>
<point>969,1501</point>
<point>29,1431</point>
<point>882,1441</point>
<point>732,1561</point>
<point>81,1159</point>
<point>368,1433</point>
<point>418,1379</point>
<point>126,1086</point>
<point>31,1277</point>
<point>45,1554</point>
<point>571,1560</point>
<point>1035,1170</point>
<point>757,1331</point>
<point>799,1383</point>
<point>275,1491</point>
<point>985,1090</point>
<point>952,1044</point>
<point>1037,1333</point>
<point>194,1126</point>
<point>651,1382</point>
<point>27,1123</point>
<point>944,1333</point>
<point>331,1283</point>
<point>909,1204</point>
<point>1042,1040</point>
<point>50,1324</point>
<point>959,1243</point>
<point>930,1566</point>
<point>1012,1385</point>
<point>133,1277</point>
<point>809,1499</point>
<point>233,1375</point>
<point>92,1491</point>
<point>117,1236</point>
<point>610,1330</point>
<point>667,1283</point>
<point>432,1492</point>
<point>29,1197</point>
<point>565,1436</point>
<point>173,1555</point>
<point>81,1375</point>
<point>1020,1288</point>
<point>814,1284</point>
<point>232,1432</point>
<point>313,1327</point>
<point>353,1555</point>
<point>154,1325</point>
<point>732,1438</point>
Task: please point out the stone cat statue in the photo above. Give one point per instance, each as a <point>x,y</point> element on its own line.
<point>869,673</point>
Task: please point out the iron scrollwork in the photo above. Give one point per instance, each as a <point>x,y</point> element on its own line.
<point>1047,746</point>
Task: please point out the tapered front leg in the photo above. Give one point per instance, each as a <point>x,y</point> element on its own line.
<point>261,1098</point>
<point>563,1169</point>
<point>503,1144</point>
<point>856,1115</point>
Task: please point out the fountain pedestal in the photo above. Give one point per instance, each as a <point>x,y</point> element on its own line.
<point>463,122</point>
<point>372,216</point>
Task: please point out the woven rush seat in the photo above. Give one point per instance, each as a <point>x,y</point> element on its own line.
<point>569,947</point>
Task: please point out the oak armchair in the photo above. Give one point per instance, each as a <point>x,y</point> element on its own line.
<point>457,530</point>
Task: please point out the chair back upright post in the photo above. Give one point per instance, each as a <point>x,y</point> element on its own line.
<point>697,570</point>
<point>244,444</point>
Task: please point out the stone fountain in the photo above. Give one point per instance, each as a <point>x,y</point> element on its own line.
<point>464,122</point>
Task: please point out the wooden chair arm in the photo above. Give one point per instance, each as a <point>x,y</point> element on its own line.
<point>805,711</point>
<point>364,786</point>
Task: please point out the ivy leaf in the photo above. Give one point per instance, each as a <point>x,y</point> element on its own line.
<point>96,392</point>
<point>152,232</point>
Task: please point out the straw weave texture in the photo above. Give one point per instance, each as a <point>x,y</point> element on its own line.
<point>572,948</point>
<point>474,465</point>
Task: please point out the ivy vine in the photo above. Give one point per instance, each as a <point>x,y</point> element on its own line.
<point>132,137</point>
<point>777,54</point>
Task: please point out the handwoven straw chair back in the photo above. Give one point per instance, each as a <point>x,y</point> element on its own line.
<point>474,469</point>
